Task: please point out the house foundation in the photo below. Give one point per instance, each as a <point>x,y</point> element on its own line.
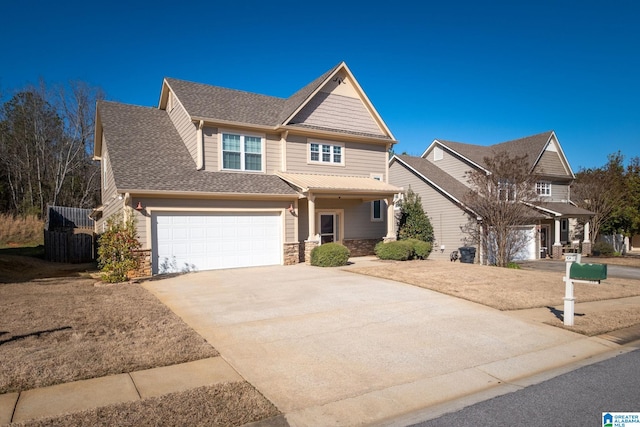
<point>291,253</point>
<point>361,247</point>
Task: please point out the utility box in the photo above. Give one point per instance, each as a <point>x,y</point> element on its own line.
<point>594,272</point>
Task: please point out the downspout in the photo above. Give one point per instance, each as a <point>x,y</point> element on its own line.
<point>200,147</point>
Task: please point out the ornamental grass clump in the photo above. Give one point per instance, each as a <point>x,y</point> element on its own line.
<point>117,250</point>
<point>330,255</point>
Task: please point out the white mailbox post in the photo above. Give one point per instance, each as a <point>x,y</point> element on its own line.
<point>569,299</point>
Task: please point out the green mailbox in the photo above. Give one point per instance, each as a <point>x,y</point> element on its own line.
<point>593,272</point>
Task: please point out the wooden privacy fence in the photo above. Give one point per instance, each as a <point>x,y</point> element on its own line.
<point>69,246</point>
<point>68,235</point>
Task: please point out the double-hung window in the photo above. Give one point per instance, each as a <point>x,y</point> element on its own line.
<point>320,152</point>
<point>241,152</point>
<point>543,188</point>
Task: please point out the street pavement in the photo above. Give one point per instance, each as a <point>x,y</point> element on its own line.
<point>613,270</point>
<point>577,398</point>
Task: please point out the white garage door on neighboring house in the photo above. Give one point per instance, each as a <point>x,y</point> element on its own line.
<point>205,241</point>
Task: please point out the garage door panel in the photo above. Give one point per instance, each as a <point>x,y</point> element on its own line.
<point>203,241</point>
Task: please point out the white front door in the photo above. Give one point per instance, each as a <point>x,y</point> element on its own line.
<point>328,227</point>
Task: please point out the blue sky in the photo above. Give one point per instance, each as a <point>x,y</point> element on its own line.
<point>468,71</point>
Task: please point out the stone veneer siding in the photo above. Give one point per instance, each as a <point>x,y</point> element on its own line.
<point>291,253</point>
<point>361,247</point>
<point>309,245</point>
<point>144,268</point>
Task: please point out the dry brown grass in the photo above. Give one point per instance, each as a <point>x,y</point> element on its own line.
<point>56,326</point>
<point>230,404</point>
<point>58,330</point>
<point>20,230</point>
<point>509,289</point>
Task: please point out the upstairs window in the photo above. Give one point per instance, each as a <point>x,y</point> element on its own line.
<point>543,188</point>
<point>326,153</point>
<point>241,152</point>
<point>506,190</point>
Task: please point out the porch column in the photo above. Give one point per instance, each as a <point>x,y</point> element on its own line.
<point>556,252</point>
<point>312,240</point>
<point>391,221</point>
<point>586,243</point>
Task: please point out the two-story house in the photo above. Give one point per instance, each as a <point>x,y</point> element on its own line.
<point>439,176</point>
<point>221,178</point>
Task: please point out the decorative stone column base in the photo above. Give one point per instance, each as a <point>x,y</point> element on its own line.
<point>586,248</point>
<point>291,253</point>
<point>556,252</point>
<point>389,239</point>
<point>144,264</point>
<point>309,245</point>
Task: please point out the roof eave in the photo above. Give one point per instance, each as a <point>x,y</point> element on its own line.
<point>208,194</point>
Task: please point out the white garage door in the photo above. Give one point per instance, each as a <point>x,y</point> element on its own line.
<point>207,241</point>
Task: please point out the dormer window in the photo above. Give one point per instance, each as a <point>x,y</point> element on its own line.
<point>242,152</point>
<point>543,188</point>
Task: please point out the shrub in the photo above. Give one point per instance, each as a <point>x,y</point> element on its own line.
<point>116,250</point>
<point>602,248</point>
<point>421,249</point>
<point>513,265</point>
<point>399,250</point>
<point>330,255</point>
<point>402,250</point>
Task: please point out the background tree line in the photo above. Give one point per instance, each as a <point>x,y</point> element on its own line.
<point>46,139</point>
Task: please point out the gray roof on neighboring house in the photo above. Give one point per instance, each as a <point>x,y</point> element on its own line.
<point>147,154</point>
<point>563,209</point>
<point>436,175</point>
<point>214,102</point>
<point>531,146</point>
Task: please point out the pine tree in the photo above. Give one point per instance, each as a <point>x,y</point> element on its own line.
<point>413,222</point>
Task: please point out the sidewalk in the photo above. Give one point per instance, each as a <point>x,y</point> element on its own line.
<point>93,393</point>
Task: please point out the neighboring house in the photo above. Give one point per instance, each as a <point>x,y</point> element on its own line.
<point>439,177</point>
<point>220,178</point>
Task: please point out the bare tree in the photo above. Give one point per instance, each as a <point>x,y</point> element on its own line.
<point>600,190</point>
<point>499,199</point>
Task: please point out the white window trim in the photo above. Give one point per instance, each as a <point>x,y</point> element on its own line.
<point>372,217</point>
<point>263,143</point>
<point>331,144</point>
<point>547,184</point>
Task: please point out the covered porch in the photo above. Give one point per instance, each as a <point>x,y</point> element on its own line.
<point>357,212</point>
<point>558,232</point>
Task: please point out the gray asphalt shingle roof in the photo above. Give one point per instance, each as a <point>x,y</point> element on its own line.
<point>146,153</point>
<point>531,146</point>
<point>439,177</point>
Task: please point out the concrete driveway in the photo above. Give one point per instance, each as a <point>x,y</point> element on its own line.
<point>331,347</point>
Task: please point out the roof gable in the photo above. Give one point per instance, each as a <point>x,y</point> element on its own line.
<point>333,102</point>
<point>535,147</point>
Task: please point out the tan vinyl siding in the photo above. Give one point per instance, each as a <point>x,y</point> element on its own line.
<point>359,159</point>
<point>550,164</point>
<point>272,151</point>
<point>211,158</point>
<point>331,111</point>
<point>452,164</point>
<point>207,205</point>
<point>559,192</point>
<point>357,222</point>
<point>185,127</point>
<point>446,217</point>
<point>108,185</point>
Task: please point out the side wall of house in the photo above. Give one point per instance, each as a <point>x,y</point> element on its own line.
<point>111,204</point>
<point>452,164</point>
<point>359,159</point>
<point>185,127</point>
<point>446,217</point>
